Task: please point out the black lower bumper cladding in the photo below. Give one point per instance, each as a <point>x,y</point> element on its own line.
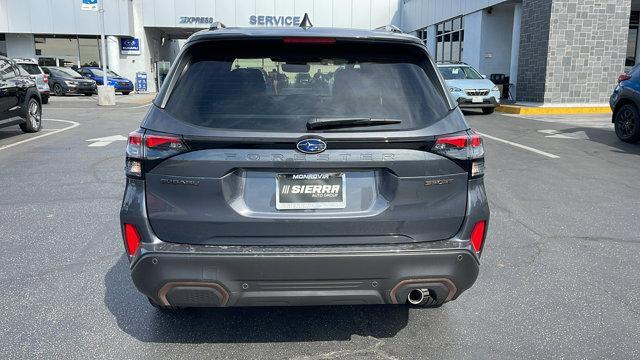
<point>292,279</point>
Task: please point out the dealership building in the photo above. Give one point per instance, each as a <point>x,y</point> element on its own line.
<point>551,51</point>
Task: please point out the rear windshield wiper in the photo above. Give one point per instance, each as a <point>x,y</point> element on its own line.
<point>326,123</point>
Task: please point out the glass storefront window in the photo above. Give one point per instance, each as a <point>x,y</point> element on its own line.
<point>450,41</point>
<point>89,51</point>
<point>3,45</point>
<point>67,51</point>
<point>457,24</point>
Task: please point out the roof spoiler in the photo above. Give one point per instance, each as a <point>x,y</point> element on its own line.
<point>389,28</point>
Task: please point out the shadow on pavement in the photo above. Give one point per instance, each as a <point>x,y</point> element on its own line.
<point>10,132</point>
<point>605,137</point>
<point>233,325</point>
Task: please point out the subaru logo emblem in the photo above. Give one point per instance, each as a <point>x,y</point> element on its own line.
<point>311,146</point>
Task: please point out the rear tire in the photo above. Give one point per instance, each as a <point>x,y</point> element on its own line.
<point>126,92</point>
<point>488,111</point>
<point>88,94</point>
<point>45,99</point>
<point>34,117</point>
<point>627,123</point>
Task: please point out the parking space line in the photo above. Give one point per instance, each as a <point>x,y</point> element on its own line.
<point>101,107</point>
<point>524,147</point>
<point>73,125</point>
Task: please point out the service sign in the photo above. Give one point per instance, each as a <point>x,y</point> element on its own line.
<point>129,46</point>
<point>267,20</point>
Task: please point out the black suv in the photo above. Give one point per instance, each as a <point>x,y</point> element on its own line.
<point>303,167</point>
<point>20,102</point>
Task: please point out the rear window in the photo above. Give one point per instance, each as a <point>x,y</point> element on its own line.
<point>267,86</point>
<point>32,69</point>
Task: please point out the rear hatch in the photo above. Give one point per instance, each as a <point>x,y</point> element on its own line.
<point>302,142</point>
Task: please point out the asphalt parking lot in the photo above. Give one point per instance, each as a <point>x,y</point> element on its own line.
<point>559,275</point>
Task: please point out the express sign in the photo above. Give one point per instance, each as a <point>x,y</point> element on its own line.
<point>266,20</point>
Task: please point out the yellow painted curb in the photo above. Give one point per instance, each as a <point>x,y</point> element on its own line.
<point>529,110</point>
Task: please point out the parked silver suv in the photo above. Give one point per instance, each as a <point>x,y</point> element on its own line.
<point>35,72</point>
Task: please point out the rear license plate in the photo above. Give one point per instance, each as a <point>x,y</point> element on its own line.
<point>310,191</point>
<point>477,99</point>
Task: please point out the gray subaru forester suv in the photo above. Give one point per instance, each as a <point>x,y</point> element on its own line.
<point>303,167</point>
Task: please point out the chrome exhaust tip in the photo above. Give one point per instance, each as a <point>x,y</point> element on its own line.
<point>418,296</point>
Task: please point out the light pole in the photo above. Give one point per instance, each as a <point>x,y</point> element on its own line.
<point>106,93</point>
<point>103,40</point>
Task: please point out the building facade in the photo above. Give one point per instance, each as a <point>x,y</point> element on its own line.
<point>553,51</point>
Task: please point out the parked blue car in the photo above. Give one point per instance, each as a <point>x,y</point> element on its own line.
<point>121,84</point>
<point>625,102</point>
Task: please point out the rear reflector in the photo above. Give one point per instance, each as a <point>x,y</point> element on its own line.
<point>131,238</point>
<point>308,40</point>
<point>477,235</point>
<point>624,77</point>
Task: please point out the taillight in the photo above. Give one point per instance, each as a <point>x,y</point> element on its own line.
<point>158,146</point>
<point>131,238</point>
<point>465,148</point>
<point>624,77</point>
<point>477,235</point>
<point>148,147</point>
<point>46,78</point>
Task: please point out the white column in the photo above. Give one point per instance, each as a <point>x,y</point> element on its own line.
<point>472,53</point>
<point>113,53</point>
<point>431,40</point>
<point>515,47</point>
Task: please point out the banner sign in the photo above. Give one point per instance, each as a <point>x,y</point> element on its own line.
<point>141,82</point>
<point>129,46</point>
<point>90,5</point>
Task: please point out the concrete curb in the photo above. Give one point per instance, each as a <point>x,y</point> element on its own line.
<point>552,110</point>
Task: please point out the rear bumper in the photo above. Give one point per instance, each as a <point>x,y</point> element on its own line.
<point>182,275</point>
<point>207,275</point>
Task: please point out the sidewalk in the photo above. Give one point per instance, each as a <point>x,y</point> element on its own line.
<point>524,108</point>
<point>137,99</point>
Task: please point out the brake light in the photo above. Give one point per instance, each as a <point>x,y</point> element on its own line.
<point>477,235</point>
<point>150,146</point>
<point>162,146</point>
<point>465,148</point>
<point>624,77</point>
<point>131,238</point>
<point>154,141</point>
<point>46,78</point>
<point>308,40</point>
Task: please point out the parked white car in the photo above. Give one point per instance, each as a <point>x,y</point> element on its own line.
<point>35,72</point>
<point>469,88</point>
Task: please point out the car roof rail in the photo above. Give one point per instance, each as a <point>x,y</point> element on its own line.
<point>452,62</point>
<point>217,25</point>
<point>389,28</point>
